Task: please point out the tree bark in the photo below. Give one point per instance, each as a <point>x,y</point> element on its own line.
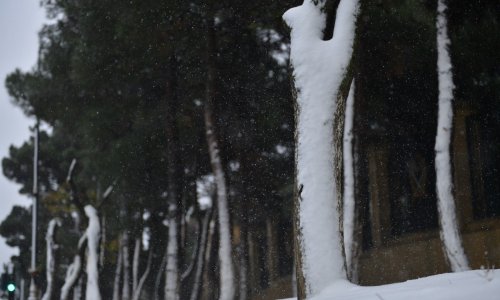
<point>135,263</point>
<point>200,258</point>
<point>172,276</point>
<point>140,284</point>
<point>126,265</point>
<point>118,274</point>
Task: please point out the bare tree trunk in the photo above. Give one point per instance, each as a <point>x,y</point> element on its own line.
<point>138,289</point>
<point>77,291</point>
<point>225,250</point>
<point>126,266</point>
<point>51,257</point>
<point>172,276</point>
<point>135,264</point>
<point>159,275</point>
<point>452,242</point>
<point>102,252</point>
<point>194,255</point>
<point>118,274</point>
<point>207,292</point>
<point>201,255</point>
<point>243,258</point>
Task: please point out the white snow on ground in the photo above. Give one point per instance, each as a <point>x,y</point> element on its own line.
<point>476,284</point>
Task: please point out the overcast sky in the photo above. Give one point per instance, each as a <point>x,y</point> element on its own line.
<point>20,21</point>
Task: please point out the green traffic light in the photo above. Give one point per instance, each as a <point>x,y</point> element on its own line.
<point>11,287</point>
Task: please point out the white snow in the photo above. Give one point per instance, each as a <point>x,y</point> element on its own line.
<point>477,284</point>
<point>93,234</point>
<point>446,202</point>
<point>319,67</point>
<point>349,202</point>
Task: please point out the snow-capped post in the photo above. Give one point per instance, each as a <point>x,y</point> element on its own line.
<point>93,234</point>
<point>349,201</point>
<point>226,278</point>
<point>320,68</point>
<point>51,257</point>
<point>450,236</point>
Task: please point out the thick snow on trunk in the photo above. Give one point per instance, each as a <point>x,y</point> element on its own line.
<point>172,270</point>
<point>446,203</point>
<point>93,235</point>
<point>51,259</point>
<point>349,203</point>
<point>319,68</point>
<point>74,270</point>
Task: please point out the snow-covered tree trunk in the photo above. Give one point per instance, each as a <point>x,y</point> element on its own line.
<point>452,244</point>
<point>118,274</point>
<point>226,278</point>
<point>93,234</point>
<point>75,269</point>
<point>349,200</point>
<point>126,265</point>
<point>51,257</point>
<point>319,70</point>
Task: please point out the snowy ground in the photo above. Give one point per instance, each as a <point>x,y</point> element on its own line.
<point>476,284</point>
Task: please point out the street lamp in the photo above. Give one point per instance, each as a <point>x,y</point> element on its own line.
<point>33,292</point>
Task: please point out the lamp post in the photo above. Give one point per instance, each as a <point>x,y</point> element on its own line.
<point>33,291</point>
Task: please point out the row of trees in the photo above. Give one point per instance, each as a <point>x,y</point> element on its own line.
<point>153,99</point>
<point>151,108</point>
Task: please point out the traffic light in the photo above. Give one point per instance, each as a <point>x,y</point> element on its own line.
<point>8,285</point>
